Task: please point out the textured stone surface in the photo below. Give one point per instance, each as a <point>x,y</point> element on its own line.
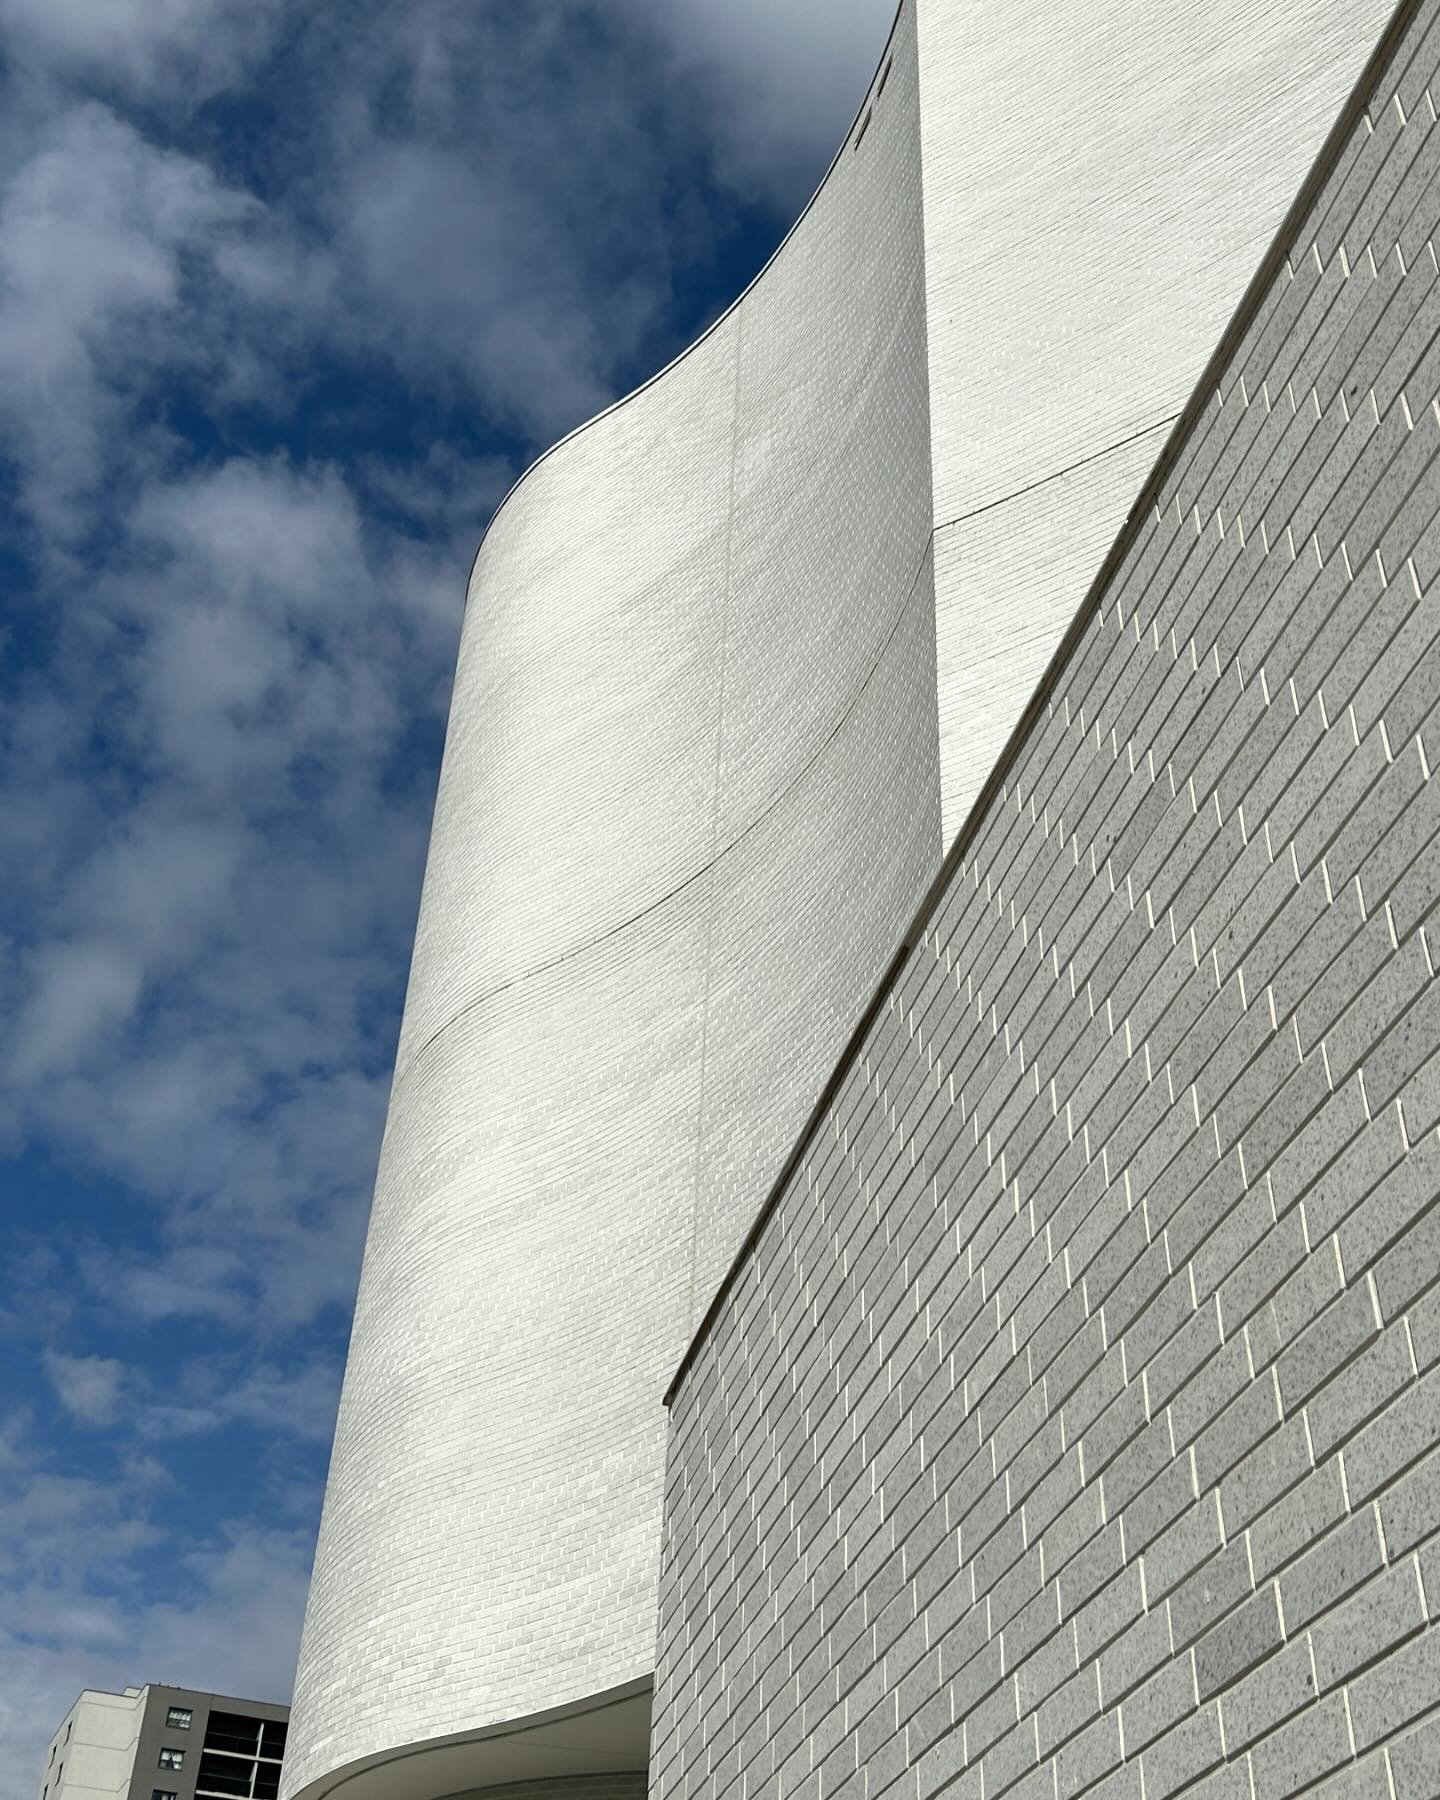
<point>1070,1426</point>
<point>1100,180</point>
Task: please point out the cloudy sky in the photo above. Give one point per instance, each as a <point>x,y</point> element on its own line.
<point>288,296</point>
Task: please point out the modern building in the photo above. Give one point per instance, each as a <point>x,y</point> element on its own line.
<point>963,1083</point>
<point>165,1743</point>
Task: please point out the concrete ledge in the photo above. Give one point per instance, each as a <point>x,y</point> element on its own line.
<point>607,1733</point>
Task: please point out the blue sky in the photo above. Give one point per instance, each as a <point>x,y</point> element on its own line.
<point>288,296</point>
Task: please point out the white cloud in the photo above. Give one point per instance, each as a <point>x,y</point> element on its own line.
<point>59,1528</point>
<point>193,47</point>
<point>220,1610</point>
<point>443,485</point>
<point>97,227</point>
<point>78,993</point>
<point>778,85</point>
<point>293,1400</point>
<point>191,1281</point>
<point>88,1387</point>
<point>227,1619</point>
<point>532,348</point>
<point>191,1011</point>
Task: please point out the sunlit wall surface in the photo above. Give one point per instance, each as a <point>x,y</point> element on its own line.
<point>1101,179</point>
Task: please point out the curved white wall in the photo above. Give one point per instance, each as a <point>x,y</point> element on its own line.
<point>695,716</point>
<point>693,719</point>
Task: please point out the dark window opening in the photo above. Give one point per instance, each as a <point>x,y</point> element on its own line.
<point>229,1775</point>
<point>233,1731</point>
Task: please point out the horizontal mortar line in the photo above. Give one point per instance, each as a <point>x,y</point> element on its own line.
<point>663,899</point>
<point>1058,474</point>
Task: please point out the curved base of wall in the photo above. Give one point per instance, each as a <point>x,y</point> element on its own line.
<point>603,1738</point>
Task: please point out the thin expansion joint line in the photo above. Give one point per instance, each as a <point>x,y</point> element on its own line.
<point>1059,474</point>
<point>714,833</point>
<point>402,1072</point>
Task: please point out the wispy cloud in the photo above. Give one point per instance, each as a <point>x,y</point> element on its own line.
<point>102,235</point>
<point>88,1387</point>
<point>221,1613</point>
<point>146,48</point>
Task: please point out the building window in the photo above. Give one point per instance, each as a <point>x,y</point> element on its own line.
<point>163,1794</point>
<point>236,1732</point>
<point>172,1759</point>
<point>179,1717</point>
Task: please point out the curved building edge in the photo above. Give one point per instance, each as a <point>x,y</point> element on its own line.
<point>608,1044</point>
<point>715,324</point>
<point>604,1734</point>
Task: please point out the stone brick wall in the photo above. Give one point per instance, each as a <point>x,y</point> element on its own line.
<point>1071,1424</point>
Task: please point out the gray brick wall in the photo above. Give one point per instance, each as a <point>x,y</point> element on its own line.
<point>1071,1425</point>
